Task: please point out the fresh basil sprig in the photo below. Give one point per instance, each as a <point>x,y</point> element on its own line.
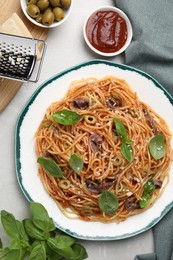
<point>41,218</point>
<point>108,202</point>
<point>126,147</point>
<point>30,240</point>
<point>50,167</point>
<point>157,146</point>
<point>76,163</point>
<point>66,117</point>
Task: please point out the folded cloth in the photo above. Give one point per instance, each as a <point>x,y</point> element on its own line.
<point>151,50</point>
<point>146,257</point>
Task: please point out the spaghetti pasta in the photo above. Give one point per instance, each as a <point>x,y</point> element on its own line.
<point>112,151</point>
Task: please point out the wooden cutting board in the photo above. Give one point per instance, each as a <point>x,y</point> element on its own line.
<point>8,88</point>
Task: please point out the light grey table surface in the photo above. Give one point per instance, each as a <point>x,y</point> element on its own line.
<point>65,48</point>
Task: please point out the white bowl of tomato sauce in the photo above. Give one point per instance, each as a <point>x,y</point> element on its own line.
<point>108,31</point>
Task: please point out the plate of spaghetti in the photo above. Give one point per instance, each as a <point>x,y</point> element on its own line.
<point>94,146</point>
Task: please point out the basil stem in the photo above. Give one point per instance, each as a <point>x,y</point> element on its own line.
<point>66,117</point>
<point>76,163</point>
<point>108,202</point>
<point>157,146</point>
<point>50,167</point>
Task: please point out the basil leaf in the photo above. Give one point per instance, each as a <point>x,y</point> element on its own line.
<point>120,129</point>
<point>60,247</point>
<point>1,245</point>
<point>9,224</point>
<point>21,231</point>
<point>66,239</point>
<point>127,151</point>
<point>41,218</point>
<point>51,254</point>
<point>66,117</point>
<point>157,147</point>
<point>79,252</point>
<point>76,163</point>
<point>35,232</point>
<point>108,202</point>
<point>145,200</point>
<point>149,186</point>
<point>50,167</point>
<point>38,252</point>
<point>14,254</point>
<point>19,244</point>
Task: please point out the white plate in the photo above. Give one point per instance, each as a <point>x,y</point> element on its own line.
<point>148,90</point>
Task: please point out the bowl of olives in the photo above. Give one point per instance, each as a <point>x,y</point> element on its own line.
<point>46,13</point>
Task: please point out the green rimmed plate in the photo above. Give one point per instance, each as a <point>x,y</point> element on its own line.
<point>148,90</point>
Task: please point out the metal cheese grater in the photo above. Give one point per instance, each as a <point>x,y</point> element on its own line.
<point>19,57</point>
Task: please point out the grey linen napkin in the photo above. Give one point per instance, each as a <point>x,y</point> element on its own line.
<point>151,50</point>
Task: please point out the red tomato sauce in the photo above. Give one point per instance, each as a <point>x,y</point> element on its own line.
<point>106,31</point>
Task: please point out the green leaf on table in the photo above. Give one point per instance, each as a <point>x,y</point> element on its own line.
<point>120,129</point>
<point>34,231</point>
<point>14,254</point>
<point>66,117</point>
<point>38,252</point>
<point>76,163</point>
<point>51,254</point>
<point>50,167</point>
<point>19,244</point>
<point>127,151</point>
<point>79,252</point>
<point>14,228</point>
<point>108,202</point>
<point>41,218</point>
<point>157,146</point>
<point>66,239</point>
<point>60,247</point>
<point>1,245</point>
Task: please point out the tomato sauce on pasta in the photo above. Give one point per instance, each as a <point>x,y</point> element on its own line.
<point>115,173</point>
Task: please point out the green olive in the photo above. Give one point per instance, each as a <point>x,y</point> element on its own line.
<point>28,2</point>
<point>49,9</point>
<point>55,3</point>
<point>43,4</point>
<point>39,18</point>
<point>33,10</point>
<point>48,18</point>
<point>58,13</point>
<point>66,3</point>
